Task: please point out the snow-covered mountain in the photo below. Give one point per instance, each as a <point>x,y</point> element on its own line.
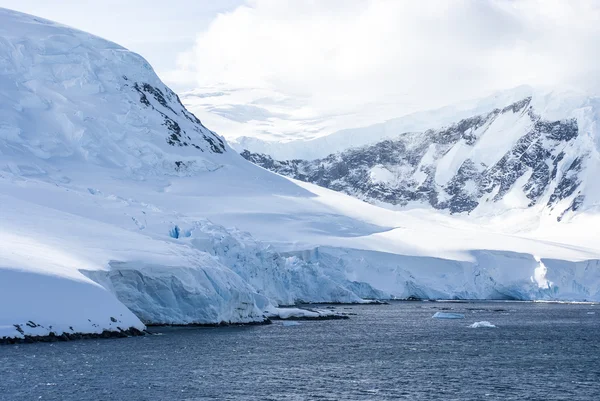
<point>88,132</point>
<point>369,133</point>
<point>119,208</point>
<point>506,158</point>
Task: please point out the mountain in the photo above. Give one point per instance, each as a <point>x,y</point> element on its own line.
<point>507,158</point>
<point>119,208</point>
<point>368,134</point>
<point>95,155</point>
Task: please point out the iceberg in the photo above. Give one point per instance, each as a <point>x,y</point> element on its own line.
<point>448,315</point>
<point>484,324</point>
<point>304,314</point>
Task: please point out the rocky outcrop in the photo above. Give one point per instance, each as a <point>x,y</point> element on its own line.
<point>53,337</point>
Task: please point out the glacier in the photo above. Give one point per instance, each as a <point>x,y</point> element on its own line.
<point>119,209</point>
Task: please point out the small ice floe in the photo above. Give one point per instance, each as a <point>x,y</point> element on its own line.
<point>304,314</point>
<point>484,324</point>
<point>591,313</point>
<point>287,323</point>
<point>448,315</point>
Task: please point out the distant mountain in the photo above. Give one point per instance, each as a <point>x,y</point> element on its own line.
<point>368,134</point>
<point>506,158</point>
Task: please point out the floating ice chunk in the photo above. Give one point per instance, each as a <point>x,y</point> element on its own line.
<point>484,323</point>
<point>290,323</point>
<point>304,314</point>
<point>591,313</point>
<point>448,315</point>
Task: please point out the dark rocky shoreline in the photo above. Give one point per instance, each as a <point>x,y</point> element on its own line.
<point>210,325</point>
<point>329,317</point>
<point>133,332</point>
<point>52,337</point>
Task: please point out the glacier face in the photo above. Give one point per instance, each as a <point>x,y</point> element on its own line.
<point>511,156</point>
<point>119,208</point>
<point>487,275</point>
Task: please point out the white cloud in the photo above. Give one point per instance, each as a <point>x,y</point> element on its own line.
<point>344,55</point>
<point>323,65</point>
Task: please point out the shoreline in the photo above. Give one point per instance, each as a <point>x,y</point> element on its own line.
<point>134,332</point>
<point>64,337</point>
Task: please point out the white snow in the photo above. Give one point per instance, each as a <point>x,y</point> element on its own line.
<point>482,324</point>
<point>449,164</point>
<point>494,140</point>
<point>381,174</point>
<point>499,137</point>
<point>41,292</point>
<point>99,221</point>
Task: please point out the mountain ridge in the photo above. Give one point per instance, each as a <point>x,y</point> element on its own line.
<point>553,103</point>
<point>463,165</point>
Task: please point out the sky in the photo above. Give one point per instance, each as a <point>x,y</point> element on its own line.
<point>279,69</point>
<point>158,30</point>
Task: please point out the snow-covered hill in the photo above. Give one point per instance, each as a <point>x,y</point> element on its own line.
<point>119,208</point>
<point>507,158</point>
<point>81,117</point>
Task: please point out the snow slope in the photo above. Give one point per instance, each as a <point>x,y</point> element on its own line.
<point>118,204</point>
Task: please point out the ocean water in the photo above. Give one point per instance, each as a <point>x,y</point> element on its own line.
<point>384,352</point>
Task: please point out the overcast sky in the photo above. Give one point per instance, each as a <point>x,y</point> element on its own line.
<point>341,56</point>
<point>349,51</point>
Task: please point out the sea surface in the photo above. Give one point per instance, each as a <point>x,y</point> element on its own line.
<point>537,351</point>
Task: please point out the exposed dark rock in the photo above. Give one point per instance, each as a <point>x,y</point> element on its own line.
<point>574,206</point>
<point>265,321</point>
<point>518,106</point>
<point>177,136</point>
<point>143,98</point>
<point>567,184</point>
<point>158,95</point>
<point>53,337</point>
